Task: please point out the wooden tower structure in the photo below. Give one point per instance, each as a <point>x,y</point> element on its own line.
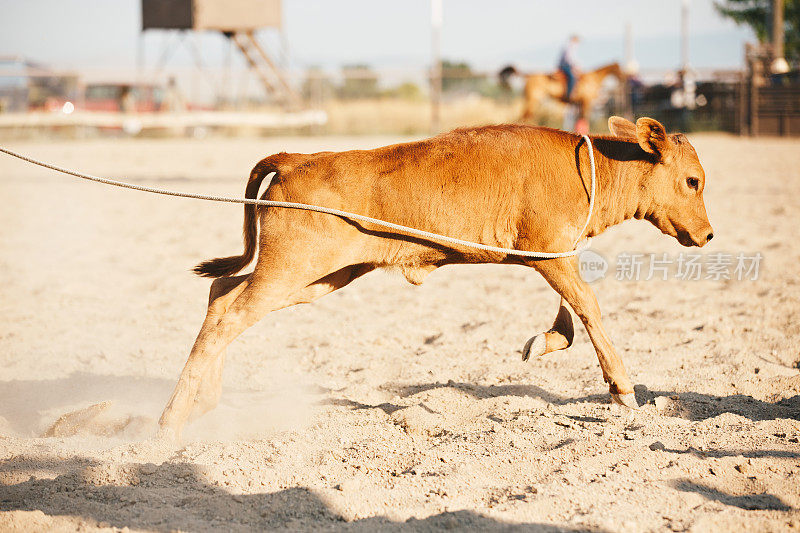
<point>238,20</point>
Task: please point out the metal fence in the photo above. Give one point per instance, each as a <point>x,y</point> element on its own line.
<point>359,99</point>
<point>773,110</point>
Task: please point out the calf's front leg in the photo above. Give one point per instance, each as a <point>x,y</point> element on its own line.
<point>559,337</point>
<point>562,275</point>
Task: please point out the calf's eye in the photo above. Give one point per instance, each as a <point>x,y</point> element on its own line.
<point>693,183</point>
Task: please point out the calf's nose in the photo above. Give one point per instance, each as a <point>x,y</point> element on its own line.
<point>709,237</point>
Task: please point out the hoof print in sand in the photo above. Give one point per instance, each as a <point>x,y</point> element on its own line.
<point>418,419</point>
<point>96,420</point>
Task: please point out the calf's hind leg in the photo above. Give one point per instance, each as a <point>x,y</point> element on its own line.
<point>276,283</point>
<point>222,293</point>
<point>210,389</point>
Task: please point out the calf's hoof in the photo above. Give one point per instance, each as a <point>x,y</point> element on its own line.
<point>168,435</point>
<point>536,346</point>
<point>628,400</point>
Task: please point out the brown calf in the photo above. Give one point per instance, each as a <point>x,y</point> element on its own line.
<point>509,186</point>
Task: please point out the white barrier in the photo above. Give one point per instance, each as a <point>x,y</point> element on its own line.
<point>141,121</point>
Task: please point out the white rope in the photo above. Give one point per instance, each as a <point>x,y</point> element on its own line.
<point>591,191</point>
<point>336,212</point>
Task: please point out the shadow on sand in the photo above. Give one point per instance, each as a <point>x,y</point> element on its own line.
<point>749,502</point>
<point>177,497</point>
<point>694,405</point>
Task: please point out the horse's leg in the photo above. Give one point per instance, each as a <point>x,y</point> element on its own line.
<point>582,124</point>
<point>527,110</point>
<point>527,115</point>
<point>570,120</point>
<point>531,101</point>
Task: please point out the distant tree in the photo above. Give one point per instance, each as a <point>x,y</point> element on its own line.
<point>360,81</point>
<point>758,15</point>
<point>407,91</point>
<point>458,76</point>
<point>317,85</point>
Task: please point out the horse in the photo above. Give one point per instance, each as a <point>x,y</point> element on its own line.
<point>539,86</point>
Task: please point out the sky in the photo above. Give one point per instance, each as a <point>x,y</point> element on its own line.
<point>86,34</point>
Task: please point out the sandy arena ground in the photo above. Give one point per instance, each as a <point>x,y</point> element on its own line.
<point>385,406</point>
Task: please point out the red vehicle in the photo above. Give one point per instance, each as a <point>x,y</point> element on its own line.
<point>117,97</point>
<point>114,98</point>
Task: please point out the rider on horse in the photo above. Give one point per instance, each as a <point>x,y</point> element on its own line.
<point>569,65</point>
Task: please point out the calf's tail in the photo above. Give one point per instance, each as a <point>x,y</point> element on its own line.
<point>228,266</point>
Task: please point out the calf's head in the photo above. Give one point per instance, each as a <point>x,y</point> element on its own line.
<point>672,180</point>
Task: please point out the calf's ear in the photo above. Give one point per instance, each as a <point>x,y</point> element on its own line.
<point>622,127</point>
<point>652,137</point>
